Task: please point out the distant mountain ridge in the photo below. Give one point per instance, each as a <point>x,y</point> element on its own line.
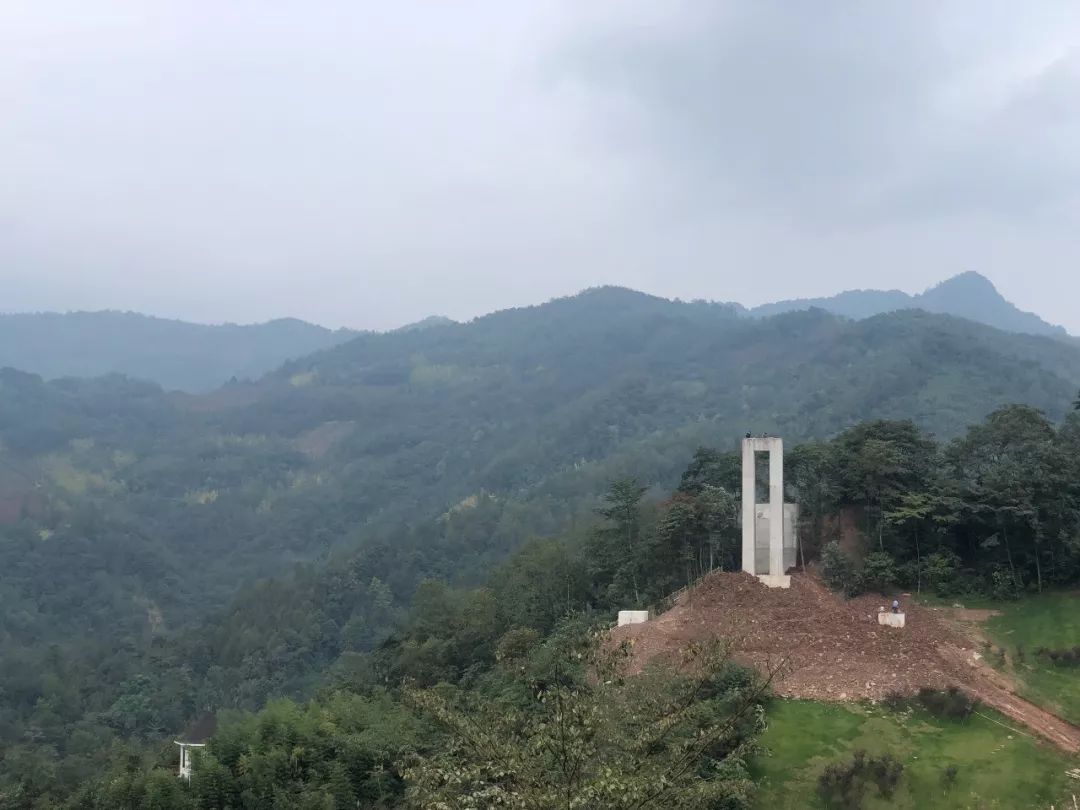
<point>129,518</point>
<point>197,358</point>
<point>969,295</point>
<point>175,354</point>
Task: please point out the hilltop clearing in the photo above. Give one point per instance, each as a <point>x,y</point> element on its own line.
<point>834,648</point>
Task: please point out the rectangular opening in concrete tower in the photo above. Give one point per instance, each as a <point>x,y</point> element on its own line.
<point>768,529</point>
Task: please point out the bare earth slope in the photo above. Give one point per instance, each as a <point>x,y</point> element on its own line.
<point>835,649</point>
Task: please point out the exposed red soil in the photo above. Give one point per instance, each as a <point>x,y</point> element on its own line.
<point>832,648</point>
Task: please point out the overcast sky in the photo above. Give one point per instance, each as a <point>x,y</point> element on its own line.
<point>366,164</point>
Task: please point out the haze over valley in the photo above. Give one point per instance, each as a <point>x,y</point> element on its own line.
<point>197,358</point>
<point>384,393</point>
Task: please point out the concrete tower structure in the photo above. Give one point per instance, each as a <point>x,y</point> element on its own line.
<point>195,737</point>
<point>775,521</point>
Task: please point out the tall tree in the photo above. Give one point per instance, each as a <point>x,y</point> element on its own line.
<point>877,462</point>
<point>622,508</point>
<point>1014,468</point>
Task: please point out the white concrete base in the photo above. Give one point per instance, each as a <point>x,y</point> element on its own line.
<point>775,580</point>
<point>633,617</point>
<point>891,619</point>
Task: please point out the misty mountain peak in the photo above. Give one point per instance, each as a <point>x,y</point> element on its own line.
<point>968,295</point>
<point>966,283</point>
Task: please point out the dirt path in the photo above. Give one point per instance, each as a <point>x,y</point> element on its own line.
<point>835,648</point>
<point>997,690</point>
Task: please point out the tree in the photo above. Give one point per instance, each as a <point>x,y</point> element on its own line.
<point>718,512</point>
<point>680,541</point>
<point>622,508</point>
<point>879,572</point>
<point>838,570</point>
<point>812,477</point>
<point>710,467</point>
<point>878,462</point>
<point>920,512</point>
<point>1014,469</point>
<point>675,738</point>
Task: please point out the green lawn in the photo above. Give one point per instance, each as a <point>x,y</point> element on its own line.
<point>1049,620</point>
<point>997,768</point>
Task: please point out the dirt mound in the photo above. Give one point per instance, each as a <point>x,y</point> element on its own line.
<point>834,648</point>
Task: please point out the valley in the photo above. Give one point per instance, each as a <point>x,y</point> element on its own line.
<point>183,553</point>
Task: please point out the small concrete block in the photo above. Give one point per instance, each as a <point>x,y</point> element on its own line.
<point>890,619</point>
<point>775,580</point>
<point>633,617</point>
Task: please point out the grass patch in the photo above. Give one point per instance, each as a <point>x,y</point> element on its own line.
<point>1051,621</point>
<point>946,764</point>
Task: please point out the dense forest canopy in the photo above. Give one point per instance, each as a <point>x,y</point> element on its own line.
<point>453,700</point>
<point>167,553</point>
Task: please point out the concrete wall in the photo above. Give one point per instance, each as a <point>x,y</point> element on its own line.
<point>761,537</point>
<point>633,617</point>
<point>751,446</point>
<point>891,619</point>
<point>791,535</point>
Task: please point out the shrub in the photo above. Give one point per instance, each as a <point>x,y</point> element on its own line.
<point>896,702</point>
<point>516,644</point>
<point>1003,585</point>
<point>948,776</point>
<point>840,786</point>
<point>843,784</point>
<point>943,572</point>
<point>951,703</point>
<point>879,572</point>
<point>838,570</point>
<point>1066,657</point>
<point>886,771</point>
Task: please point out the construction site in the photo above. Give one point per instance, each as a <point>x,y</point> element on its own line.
<point>830,648</point>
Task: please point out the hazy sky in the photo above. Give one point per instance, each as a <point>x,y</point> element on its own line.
<point>367,164</point>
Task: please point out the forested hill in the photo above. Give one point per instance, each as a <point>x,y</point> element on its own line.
<point>515,420</point>
<point>130,518</point>
<point>175,354</point>
<point>198,358</point>
<point>968,295</point>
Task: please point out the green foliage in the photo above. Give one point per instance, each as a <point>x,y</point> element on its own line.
<point>338,751</point>
<point>844,784</point>
<point>591,739</point>
<point>942,571</point>
<point>165,554</point>
<point>991,765</point>
<point>879,572</point>
<point>1042,622</point>
<point>838,570</point>
<point>951,703</point>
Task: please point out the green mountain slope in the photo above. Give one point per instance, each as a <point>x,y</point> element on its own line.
<point>135,523</point>
<point>174,354</point>
<point>521,410</point>
<point>968,295</point>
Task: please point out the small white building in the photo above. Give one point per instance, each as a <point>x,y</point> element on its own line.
<point>633,617</point>
<point>888,619</point>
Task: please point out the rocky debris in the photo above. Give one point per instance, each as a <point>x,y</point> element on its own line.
<point>831,648</point>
